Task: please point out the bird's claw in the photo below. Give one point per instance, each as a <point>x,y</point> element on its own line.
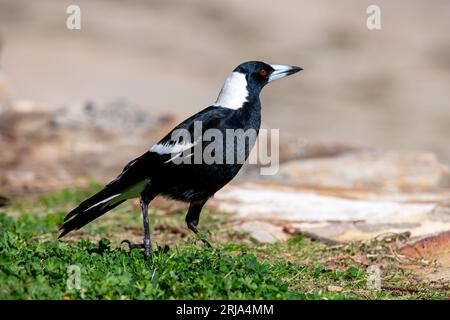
<point>206,242</point>
<point>132,245</point>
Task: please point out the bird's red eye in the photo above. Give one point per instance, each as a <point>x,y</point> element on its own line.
<point>262,72</point>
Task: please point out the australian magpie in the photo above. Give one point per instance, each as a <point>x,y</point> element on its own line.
<point>167,170</point>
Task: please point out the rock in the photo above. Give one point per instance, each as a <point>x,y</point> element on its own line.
<point>369,170</point>
<point>441,212</point>
<point>333,288</point>
<point>263,232</point>
<point>288,204</point>
<point>44,150</point>
<point>435,247</point>
<point>294,149</point>
<point>336,217</point>
<point>117,116</point>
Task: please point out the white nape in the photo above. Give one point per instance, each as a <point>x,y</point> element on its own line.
<point>234,92</point>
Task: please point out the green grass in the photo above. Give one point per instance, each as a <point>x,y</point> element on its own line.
<point>35,265</point>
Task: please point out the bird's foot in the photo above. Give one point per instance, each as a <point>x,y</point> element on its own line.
<point>206,242</point>
<point>131,245</point>
<point>200,235</point>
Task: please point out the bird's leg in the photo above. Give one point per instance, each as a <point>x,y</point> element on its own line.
<point>193,217</point>
<point>147,245</point>
<point>147,242</point>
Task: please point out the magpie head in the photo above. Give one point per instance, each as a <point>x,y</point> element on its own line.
<point>258,73</point>
<point>248,79</point>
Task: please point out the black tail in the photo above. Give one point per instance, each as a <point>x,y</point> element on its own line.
<point>90,209</point>
<point>84,217</point>
<point>129,184</point>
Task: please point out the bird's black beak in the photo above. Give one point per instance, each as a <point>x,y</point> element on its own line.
<point>282,71</point>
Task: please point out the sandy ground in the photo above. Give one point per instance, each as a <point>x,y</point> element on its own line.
<point>386,88</point>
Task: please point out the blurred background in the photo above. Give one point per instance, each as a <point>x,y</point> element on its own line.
<point>364,129</point>
<point>387,88</point>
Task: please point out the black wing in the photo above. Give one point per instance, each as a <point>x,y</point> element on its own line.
<point>210,117</point>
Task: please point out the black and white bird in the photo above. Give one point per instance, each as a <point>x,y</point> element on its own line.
<point>159,170</point>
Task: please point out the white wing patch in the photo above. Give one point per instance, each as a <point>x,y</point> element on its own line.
<point>178,155</point>
<point>234,92</point>
<point>172,148</point>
